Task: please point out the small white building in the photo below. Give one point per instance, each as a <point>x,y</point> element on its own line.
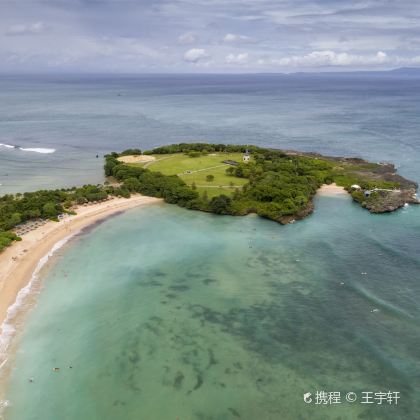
<point>246,157</point>
<point>356,187</point>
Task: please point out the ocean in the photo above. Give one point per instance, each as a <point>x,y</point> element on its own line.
<point>65,121</point>
<point>165,313</point>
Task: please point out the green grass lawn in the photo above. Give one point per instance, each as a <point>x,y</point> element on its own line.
<point>195,169</point>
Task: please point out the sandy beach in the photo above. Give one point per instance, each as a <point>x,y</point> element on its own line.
<point>20,261</point>
<point>332,190</point>
<point>137,159</point>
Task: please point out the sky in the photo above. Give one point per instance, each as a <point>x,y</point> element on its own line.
<point>205,36</point>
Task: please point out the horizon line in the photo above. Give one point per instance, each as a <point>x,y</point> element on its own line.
<point>214,73</point>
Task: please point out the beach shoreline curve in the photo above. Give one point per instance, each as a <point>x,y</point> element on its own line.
<point>21,263</point>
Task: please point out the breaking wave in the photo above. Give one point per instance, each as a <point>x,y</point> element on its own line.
<point>8,328</point>
<point>43,150</point>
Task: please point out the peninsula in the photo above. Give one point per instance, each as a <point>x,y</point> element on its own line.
<point>217,178</point>
<point>221,179</point>
<point>239,180</point>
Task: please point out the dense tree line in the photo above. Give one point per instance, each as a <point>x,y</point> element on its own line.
<point>279,185</point>
<point>202,148</point>
<point>137,179</point>
<point>128,152</point>
<point>46,204</point>
<point>6,238</point>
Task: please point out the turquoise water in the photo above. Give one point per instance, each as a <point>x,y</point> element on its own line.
<point>165,313</point>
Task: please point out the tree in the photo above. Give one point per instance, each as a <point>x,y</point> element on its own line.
<point>230,171</point>
<point>132,184</point>
<point>14,220</point>
<point>221,204</point>
<point>49,210</point>
<point>135,152</point>
<point>33,213</point>
<point>122,192</point>
<point>110,163</point>
<point>210,178</point>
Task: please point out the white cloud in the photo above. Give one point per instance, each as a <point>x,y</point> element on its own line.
<point>187,38</point>
<point>241,58</point>
<point>194,55</point>
<point>209,35</point>
<point>233,38</point>
<point>360,43</point>
<point>26,29</point>
<point>331,58</point>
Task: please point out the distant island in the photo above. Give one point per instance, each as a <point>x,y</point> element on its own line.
<point>221,179</point>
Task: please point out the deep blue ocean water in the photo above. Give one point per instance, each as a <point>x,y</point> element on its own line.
<point>165,313</point>
<point>82,116</point>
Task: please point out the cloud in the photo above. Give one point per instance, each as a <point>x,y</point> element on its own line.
<point>26,29</point>
<point>192,35</point>
<point>88,53</point>
<point>358,43</point>
<point>331,58</point>
<point>233,38</point>
<point>187,38</point>
<point>241,58</point>
<point>194,55</point>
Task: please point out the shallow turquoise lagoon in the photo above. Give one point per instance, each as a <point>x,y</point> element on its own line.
<point>164,313</point>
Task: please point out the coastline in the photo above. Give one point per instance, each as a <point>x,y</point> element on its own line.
<point>332,190</point>
<point>21,263</point>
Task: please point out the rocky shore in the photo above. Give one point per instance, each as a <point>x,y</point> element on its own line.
<point>388,201</point>
<point>376,200</point>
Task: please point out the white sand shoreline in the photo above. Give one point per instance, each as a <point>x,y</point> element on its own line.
<point>332,190</point>
<point>21,263</point>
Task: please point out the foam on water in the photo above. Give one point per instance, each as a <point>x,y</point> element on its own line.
<point>37,150</point>
<point>42,150</point>
<point>8,328</point>
<point>82,117</point>
<point>168,305</point>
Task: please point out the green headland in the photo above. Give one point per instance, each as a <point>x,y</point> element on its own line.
<point>239,179</point>
<point>221,179</point>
